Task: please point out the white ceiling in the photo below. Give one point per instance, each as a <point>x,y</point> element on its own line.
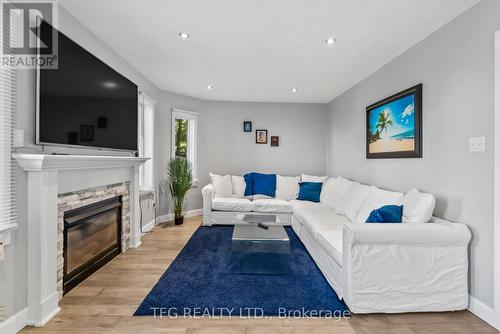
<point>257,50</point>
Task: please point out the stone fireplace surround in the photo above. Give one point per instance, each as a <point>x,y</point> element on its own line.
<point>59,181</point>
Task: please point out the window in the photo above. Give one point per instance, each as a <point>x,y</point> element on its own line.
<point>146,140</point>
<point>184,137</point>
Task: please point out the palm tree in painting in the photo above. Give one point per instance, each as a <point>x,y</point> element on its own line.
<point>373,135</point>
<point>384,121</point>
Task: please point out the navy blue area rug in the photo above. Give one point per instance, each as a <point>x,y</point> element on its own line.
<point>199,282</point>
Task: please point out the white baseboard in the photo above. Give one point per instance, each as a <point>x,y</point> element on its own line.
<point>170,216</point>
<point>194,213</point>
<point>15,322</point>
<point>149,226</point>
<point>164,218</point>
<point>45,320</point>
<point>483,311</point>
<point>137,245</point>
<point>43,311</point>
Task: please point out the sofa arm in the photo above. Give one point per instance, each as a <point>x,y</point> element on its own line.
<point>398,268</point>
<point>208,193</point>
<point>439,232</point>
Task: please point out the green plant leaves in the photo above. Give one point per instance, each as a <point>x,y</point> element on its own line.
<point>179,174</point>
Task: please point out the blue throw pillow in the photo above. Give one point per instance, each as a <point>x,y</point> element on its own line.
<point>248,181</point>
<point>386,214</point>
<point>263,184</point>
<point>310,191</point>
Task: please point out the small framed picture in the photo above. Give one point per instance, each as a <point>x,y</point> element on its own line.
<point>102,122</point>
<point>261,136</point>
<point>87,133</point>
<point>247,126</point>
<point>275,141</point>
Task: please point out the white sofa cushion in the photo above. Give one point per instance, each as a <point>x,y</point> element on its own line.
<point>320,223</point>
<point>302,208</point>
<point>259,196</point>
<point>376,199</point>
<point>307,206</point>
<point>323,224</point>
<point>417,207</point>
<point>317,216</point>
<point>313,178</point>
<point>334,190</point>
<point>232,204</point>
<point>332,243</point>
<point>222,184</point>
<point>351,203</point>
<point>273,205</point>
<point>239,186</point>
<point>287,187</point>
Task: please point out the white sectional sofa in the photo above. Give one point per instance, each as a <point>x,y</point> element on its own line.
<point>419,265</point>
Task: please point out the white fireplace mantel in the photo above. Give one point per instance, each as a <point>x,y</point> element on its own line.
<point>42,212</point>
<point>39,162</point>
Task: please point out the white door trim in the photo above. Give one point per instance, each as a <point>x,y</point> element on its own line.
<point>496,237</point>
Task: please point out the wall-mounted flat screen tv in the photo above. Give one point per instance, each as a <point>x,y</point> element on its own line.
<point>84,102</point>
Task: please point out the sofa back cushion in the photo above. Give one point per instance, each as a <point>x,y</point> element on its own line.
<point>334,189</point>
<point>222,184</point>
<point>351,203</point>
<point>260,184</point>
<point>313,178</point>
<point>417,207</point>
<point>310,191</point>
<point>287,187</point>
<point>375,199</point>
<point>239,186</point>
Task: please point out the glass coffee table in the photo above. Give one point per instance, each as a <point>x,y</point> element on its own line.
<point>257,250</point>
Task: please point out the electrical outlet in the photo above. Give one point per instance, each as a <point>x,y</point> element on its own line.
<point>476,144</point>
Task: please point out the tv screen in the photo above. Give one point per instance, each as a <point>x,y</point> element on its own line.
<point>84,102</point>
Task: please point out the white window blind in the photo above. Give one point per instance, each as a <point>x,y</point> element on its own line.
<point>146,140</point>
<point>8,210</point>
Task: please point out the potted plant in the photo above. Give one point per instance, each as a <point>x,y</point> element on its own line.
<point>179,174</point>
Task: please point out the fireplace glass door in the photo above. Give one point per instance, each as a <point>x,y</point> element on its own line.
<point>91,238</point>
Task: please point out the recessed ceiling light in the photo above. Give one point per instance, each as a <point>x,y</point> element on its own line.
<point>209,87</point>
<point>109,84</point>
<point>294,90</point>
<point>331,41</point>
<point>184,35</point>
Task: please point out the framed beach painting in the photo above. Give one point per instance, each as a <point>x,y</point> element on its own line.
<point>394,126</point>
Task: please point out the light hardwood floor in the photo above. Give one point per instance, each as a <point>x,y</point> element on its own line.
<point>105,302</point>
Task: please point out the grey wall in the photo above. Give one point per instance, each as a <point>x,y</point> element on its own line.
<point>13,268</point>
<point>456,67</point>
<point>224,148</point>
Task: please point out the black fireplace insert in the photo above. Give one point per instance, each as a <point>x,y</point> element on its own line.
<point>92,237</point>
